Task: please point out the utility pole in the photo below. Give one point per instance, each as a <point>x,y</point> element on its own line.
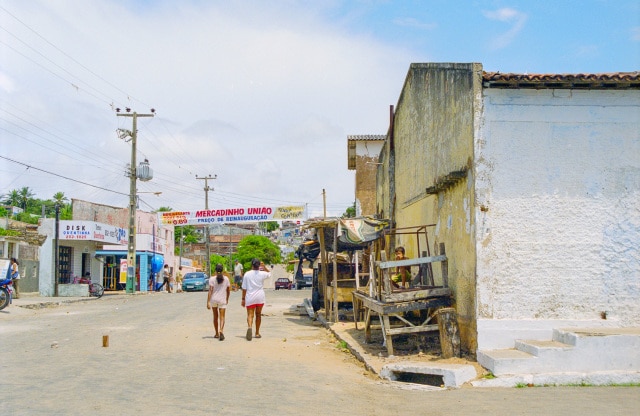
<point>131,248</point>
<point>206,230</point>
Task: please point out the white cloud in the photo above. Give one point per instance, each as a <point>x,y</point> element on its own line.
<point>635,34</point>
<point>263,98</point>
<point>511,16</point>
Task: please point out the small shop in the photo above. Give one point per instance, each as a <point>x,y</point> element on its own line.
<point>114,269</point>
<point>74,251</point>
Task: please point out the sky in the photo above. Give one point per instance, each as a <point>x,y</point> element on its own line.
<point>260,95</point>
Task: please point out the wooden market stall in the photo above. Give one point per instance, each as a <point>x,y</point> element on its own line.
<point>338,272</point>
<point>340,278</point>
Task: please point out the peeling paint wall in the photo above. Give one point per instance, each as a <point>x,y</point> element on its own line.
<point>367,153</point>
<point>433,136</point>
<point>558,211</point>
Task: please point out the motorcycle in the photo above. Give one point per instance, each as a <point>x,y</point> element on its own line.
<point>6,293</point>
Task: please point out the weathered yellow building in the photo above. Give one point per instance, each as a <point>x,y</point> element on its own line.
<point>531,183</point>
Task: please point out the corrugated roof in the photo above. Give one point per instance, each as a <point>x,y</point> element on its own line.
<point>615,80</point>
<point>367,137</point>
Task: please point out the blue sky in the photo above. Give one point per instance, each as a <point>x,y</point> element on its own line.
<point>261,94</point>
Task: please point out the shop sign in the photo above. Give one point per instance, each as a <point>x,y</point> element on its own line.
<point>92,231</point>
<point>233,215</point>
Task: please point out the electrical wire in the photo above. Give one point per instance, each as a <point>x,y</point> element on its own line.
<point>61,176</point>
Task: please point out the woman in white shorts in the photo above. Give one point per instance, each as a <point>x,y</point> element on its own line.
<point>217,299</point>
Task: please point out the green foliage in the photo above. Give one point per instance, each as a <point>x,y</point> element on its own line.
<point>59,198</point>
<point>13,233</point>
<point>270,226</point>
<point>27,217</point>
<point>35,207</point>
<point>164,209</point>
<point>350,212</point>
<point>257,246</point>
<point>188,232</point>
<point>25,197</point>
<point>66,213</point>
<point>290,266</point>
<point>12,198</point>
<point>218,259</point>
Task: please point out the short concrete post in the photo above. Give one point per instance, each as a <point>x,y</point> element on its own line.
<point>449,332</point>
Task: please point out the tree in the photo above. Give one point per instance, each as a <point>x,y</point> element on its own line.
<point>350,212</point>
<point>271,225</point>
<point>12,198</point>
<point>25,196</point>
<point>59,198</point>
<point>188,232</point>
<point>257,246</point>
<point>218,259</point>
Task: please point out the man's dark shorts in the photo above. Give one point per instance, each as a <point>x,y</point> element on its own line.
<point>237,280</point>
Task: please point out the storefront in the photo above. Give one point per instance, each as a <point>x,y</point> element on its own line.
<point>77,245</point>
<point>148,266</point>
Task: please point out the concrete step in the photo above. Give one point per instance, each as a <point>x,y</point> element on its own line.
<point>506,361</point>
<point>571,350</point>
<point>540,348</point>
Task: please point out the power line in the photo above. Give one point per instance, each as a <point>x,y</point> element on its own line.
<point>61,176</point>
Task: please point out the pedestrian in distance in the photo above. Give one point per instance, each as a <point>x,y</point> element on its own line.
<point>253,297</point>
<point>15,276</point>
<point>179,280</point>
<point>172,283</point>
<point>166,279</point>
<point>218,299</point>
<point>238,272</point>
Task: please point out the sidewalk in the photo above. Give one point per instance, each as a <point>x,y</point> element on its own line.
<point>450,373</point>
<point>35,301</point>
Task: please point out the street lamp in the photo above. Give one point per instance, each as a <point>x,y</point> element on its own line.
<point>143,192</point>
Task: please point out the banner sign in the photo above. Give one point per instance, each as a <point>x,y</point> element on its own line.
<point>232,215</point>
<point>92,231</point>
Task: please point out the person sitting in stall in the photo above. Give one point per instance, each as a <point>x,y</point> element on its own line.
<point>403,273</point>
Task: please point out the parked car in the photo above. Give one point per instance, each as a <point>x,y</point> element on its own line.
<point>306,280</point>
<point>195,281</point>
<point>283,283</point>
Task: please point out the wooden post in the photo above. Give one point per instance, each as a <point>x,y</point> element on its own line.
<point>373,285</point>
<point>386,278</point>
<point>445,267</point>
<point>105,341</point>
<point>357,271</point>
<point>335,272</point>
<point>449,333</point>
<point>322,279</point>
<point>386,332</point>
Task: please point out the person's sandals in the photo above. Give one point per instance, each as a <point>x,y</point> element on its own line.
<point>258,336</point>
<point>221,336</point>
<point>216,336</point>
<point>248,334</point>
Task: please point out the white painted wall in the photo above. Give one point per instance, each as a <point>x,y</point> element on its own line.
<point>558,211</point>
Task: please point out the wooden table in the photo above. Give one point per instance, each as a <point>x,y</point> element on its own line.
<point>433,298</point>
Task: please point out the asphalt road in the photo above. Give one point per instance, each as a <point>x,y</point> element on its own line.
<point>162,359</point>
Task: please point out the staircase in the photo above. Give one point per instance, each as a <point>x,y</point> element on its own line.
<point>579,351</point>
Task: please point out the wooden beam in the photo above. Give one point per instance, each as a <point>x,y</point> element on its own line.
<point>410,262</point>
<point>413,329</point>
